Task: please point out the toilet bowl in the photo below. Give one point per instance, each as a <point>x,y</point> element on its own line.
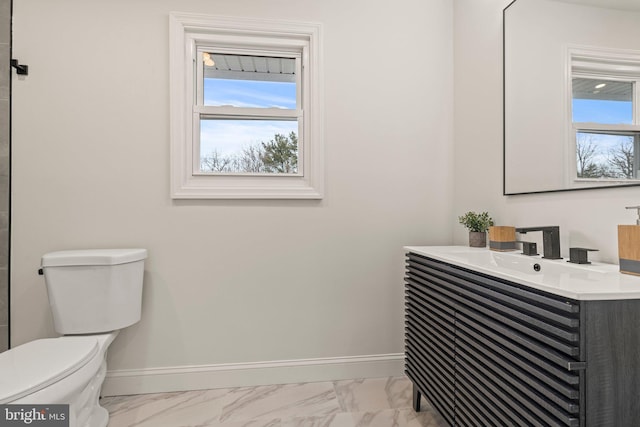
<point>93,294</point>
<point>66,370</point>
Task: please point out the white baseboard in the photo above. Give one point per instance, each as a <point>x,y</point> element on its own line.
<point>158,380</point>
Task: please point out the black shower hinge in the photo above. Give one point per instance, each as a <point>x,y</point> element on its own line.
<point>20,69</point>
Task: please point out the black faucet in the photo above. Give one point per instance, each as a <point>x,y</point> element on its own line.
<point>579,255</point>
<point>550,240</point>
<point>528,248</point>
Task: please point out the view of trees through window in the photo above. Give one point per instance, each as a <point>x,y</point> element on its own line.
<point>605,156</point>
<point>251,122</point>
<point>604,120</point>
<point>279,155</point>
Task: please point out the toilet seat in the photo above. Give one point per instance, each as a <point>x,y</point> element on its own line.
<point>37,364</point>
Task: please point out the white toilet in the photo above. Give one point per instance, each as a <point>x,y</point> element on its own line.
<point>93,294</point>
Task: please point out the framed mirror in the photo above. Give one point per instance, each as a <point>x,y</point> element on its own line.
<point>571,95</point>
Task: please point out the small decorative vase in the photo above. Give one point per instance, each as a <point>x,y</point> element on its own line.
<point>477,239</point>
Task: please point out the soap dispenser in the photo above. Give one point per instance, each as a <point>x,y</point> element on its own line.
<point>629,246</point>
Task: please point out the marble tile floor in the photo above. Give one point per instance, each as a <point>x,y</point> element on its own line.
<point>373,402</point>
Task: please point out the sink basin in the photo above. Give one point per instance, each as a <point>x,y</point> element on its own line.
<point>577,281</point>
<point>536,264</point>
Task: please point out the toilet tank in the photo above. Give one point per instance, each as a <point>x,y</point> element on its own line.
<point>94,290</point>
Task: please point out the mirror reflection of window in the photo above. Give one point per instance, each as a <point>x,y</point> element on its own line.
<point>606,155</point>
<point>604,113</point>
<point>602,101</point>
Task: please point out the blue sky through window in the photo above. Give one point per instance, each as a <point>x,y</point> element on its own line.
<point>602,111</point>
<point>229,136</point>
<point>249,93</point>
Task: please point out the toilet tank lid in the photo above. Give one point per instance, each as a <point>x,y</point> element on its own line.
<point>92,257</point>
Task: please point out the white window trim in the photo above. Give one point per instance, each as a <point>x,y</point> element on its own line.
<point>187,29</point>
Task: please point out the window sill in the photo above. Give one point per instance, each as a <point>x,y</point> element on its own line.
<point>246,187</point>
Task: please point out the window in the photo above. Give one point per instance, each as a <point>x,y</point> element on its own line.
<point>605,114</point>
<point>246,108</point>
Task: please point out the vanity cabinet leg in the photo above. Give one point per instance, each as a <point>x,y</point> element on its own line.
<point>416,398</point>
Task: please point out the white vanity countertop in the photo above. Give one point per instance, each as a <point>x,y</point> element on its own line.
<point>596,281</point>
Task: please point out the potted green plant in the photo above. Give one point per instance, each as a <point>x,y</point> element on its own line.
<point>477,224</point>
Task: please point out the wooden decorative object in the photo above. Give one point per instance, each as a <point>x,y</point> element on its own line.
<point>629,249</point>
<point>502,238</point>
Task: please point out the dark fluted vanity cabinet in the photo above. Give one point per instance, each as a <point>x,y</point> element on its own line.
<point>485,351</point>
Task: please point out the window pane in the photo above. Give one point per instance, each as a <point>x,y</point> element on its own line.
<point>249,146</point>
<point>602,101</point>
<point>249,81</point>
<point>605,156</point>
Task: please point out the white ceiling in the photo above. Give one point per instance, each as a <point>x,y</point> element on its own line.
<point>612,91</point>
<point>251,67</point>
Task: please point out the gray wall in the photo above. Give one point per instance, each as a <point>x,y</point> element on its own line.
<point>5,78</point>
<point>231,282</point>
